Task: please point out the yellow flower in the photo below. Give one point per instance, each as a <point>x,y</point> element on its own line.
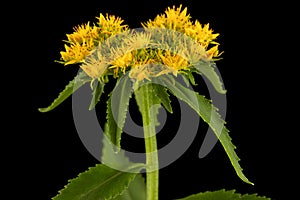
<point>81,42</point>
<point>138,40</point>
<point>143,66</point>
<point>173,19</point>
<point>213,52</point>
<point>143,54</point>
<point>178,20</point>
<point>202,34</point>
<point>140,73</point>
<point>122,63</point>
<point>84,33</point>
<point>95,67</point>
<point>154,63</point>
<point>76,52</point>
<point>174,62</point>
<point>110,25</point>
<point>85,38</point>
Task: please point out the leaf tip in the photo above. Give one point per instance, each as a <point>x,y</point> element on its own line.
<point>43,110</point>
<point>91,107</point>
<point>251,183</point>
<point>245,179</point>
<point>223,91</point>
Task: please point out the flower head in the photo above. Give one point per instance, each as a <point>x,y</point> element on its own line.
<point>174,62</point>
<point>205,37</point>
<point>123,62</point>
<point>83,33</point>
<point>173,18</point>
<point>110,25</point>
<point>95,67</point>
<point>144,69</point>
<point>81,43</point>
<point>178,20</point>
<point>201,33</point>
<point>86,37</point>
<point>171,44</point>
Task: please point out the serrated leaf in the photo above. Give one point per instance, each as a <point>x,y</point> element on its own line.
<point>209,114</point>
<point>97,92</point>
<point>117,107</point>
<point>162,93</point>
<point>135,191</point>
<point>118,160</point>
<point>223,195</point>
<point>73,85</point>
<point>99,182</point>
<point>208,69</point>
<point>188,77</point>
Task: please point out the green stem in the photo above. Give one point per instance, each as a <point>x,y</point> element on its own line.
<point>146,101</point>
<point>152,163</point>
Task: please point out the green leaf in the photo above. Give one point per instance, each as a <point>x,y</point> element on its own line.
<point>224,195</point>
<point>135,191</point>
<point>99,182</point>
<point>188,77</point>
<point>117,107</point>
<point>118,160</point>
<point>97,92</point>
<point>209,114</point>
<point>162,93</point>
<point>208,70</point>
<point>73,85</point>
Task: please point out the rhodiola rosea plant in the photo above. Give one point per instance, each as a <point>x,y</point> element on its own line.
<point>148,64</point>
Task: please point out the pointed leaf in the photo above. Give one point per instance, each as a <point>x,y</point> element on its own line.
<point>110,127</point>
<point>209,114</point>
<point>73,85</point>
<point>188,77</point>
<point>208,69</point>
<point>224,195</point>
<point>99,182</point>
<point>162,93</point>
<point>117,107</point>
<point>97,92</point>
<point>135,191</point>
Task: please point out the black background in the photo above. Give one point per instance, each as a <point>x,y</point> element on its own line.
<point>255,73</point>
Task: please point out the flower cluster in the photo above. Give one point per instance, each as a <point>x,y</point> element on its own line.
<point>86,37</point>
<point>178,20</point>
<point>139,53</point>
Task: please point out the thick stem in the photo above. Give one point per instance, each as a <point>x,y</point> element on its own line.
<point>152,163</point>
<point>146,101</point>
